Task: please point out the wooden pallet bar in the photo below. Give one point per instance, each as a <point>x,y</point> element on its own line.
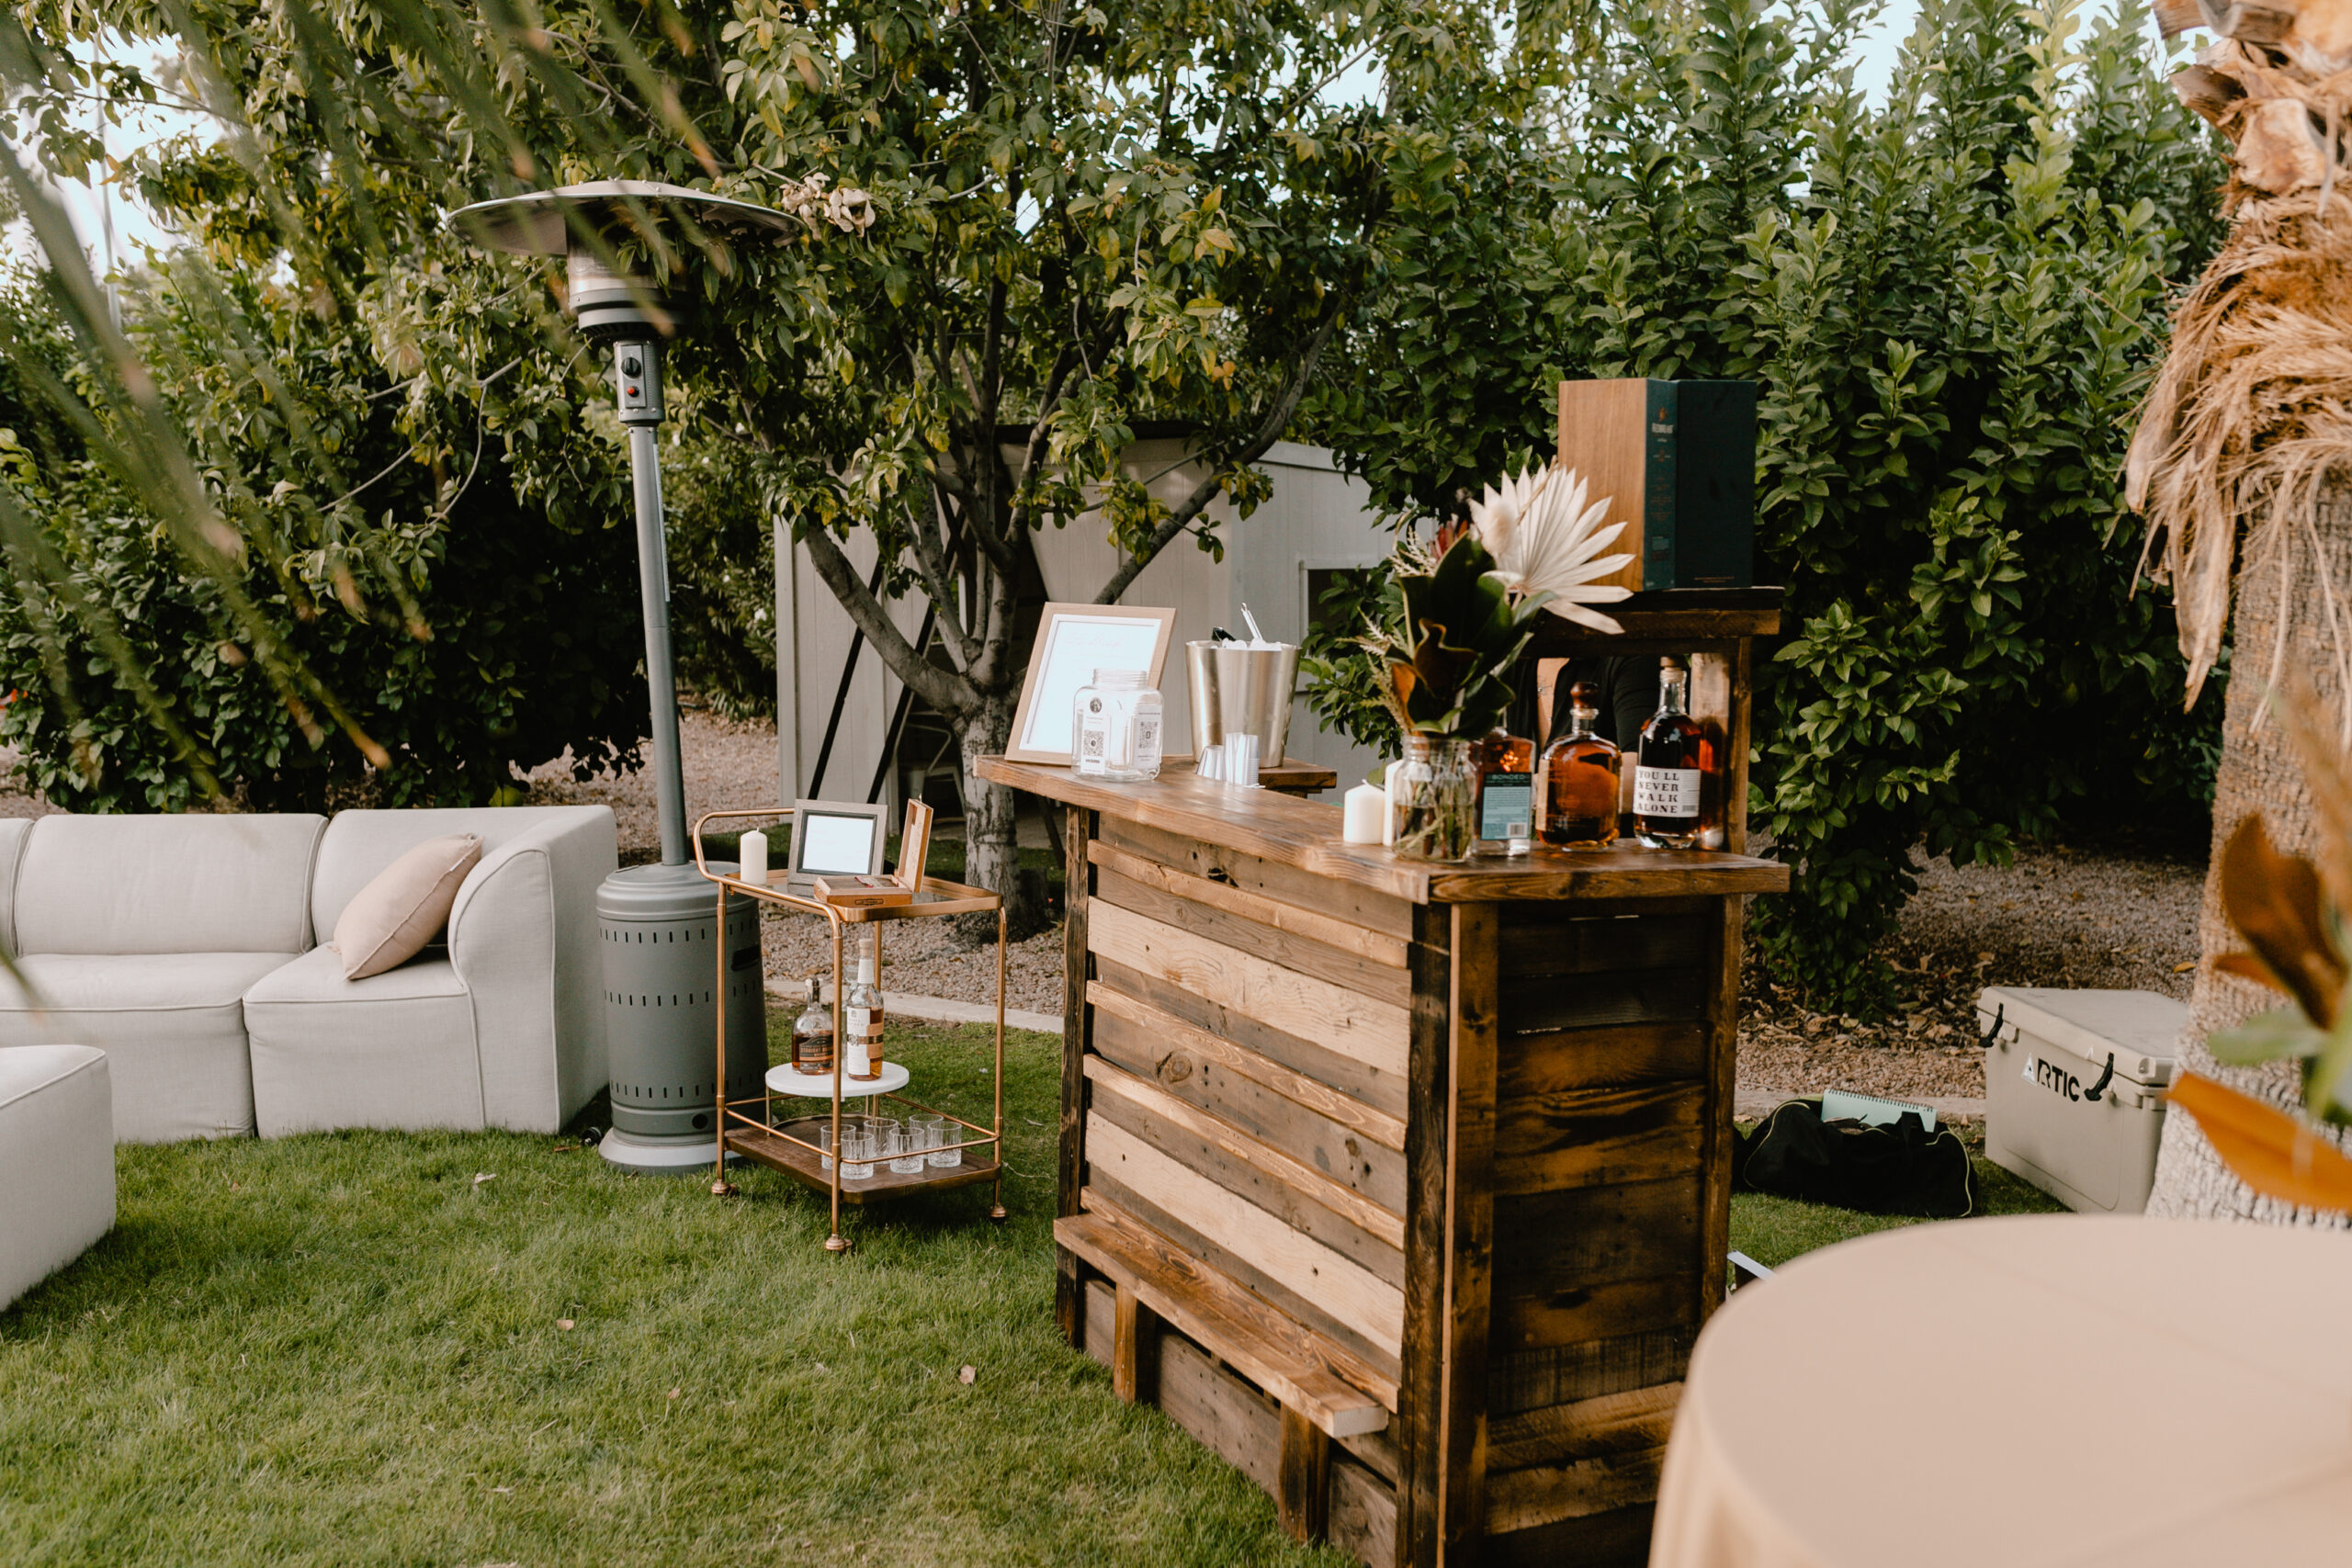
<point>1406,1187</point>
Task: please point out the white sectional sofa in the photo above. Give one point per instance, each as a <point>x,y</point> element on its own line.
<point>188,948</point>
<point>56,1161</point>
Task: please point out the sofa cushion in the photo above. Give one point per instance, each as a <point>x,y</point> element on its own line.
<point>56,1161</point>
<point>171,1024</point>
<point>357,845</point>
<point>391,1050</point>
<point>405,907</point>
<point>192,883</point>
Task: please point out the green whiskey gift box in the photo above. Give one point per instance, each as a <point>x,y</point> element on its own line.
<point>1678,461</point>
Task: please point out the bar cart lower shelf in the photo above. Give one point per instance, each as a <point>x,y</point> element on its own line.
<point>791,1148</point>
<point>754,1131</point>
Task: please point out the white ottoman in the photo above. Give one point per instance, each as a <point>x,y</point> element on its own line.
<point>56,1161</point>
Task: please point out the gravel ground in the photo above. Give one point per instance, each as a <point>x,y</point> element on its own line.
<point>2120,916</point>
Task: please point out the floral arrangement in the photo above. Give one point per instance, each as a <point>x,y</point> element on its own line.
<point>1466,601</point>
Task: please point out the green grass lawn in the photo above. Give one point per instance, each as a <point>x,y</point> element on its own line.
<point>348,1349</point>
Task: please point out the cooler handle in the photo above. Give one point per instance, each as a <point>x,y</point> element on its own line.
<point>2105,1078</point>
<point>1993,1030</point>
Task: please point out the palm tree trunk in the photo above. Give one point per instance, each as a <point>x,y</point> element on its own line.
<point>2282,601</point>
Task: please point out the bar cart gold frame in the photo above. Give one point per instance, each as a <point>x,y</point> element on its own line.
<point>769,1143</point>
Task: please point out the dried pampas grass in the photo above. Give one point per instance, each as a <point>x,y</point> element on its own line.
<point>2251,416</point>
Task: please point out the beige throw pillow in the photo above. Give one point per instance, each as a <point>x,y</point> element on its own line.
<point>405,907</point>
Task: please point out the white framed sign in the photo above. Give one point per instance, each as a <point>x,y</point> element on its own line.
<point>834,837</point>
<point>1073,642</point>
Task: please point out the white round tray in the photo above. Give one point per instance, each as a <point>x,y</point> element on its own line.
<point>819,1086</point>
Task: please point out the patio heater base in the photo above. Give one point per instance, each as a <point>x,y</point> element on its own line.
<point>658,925</point>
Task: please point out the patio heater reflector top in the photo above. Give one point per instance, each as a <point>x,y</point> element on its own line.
<point>610,304</point>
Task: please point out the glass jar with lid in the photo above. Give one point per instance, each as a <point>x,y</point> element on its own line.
<point>1114,730</point>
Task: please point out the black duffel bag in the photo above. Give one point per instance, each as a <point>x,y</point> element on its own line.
<point>1898,1169</point>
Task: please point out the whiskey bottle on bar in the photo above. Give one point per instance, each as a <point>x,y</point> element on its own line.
<point>864,1005</point>
<point>1577,783</point>
<point>1506,791</point>
<point>1670,768</point>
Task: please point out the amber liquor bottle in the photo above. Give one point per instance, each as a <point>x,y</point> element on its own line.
<point>812,1034</point>
<point>1505,789</point>
<point>1579,780</point>
<point>1671,767</point>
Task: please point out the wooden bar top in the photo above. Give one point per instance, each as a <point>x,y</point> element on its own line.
<point>1305,834</point>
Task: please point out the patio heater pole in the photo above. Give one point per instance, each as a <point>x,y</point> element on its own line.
<point>639,381</point>
<point>658,925</point>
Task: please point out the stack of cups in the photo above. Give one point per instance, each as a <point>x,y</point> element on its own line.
<point>1240,761</point>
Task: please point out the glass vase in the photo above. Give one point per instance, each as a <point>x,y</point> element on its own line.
<point>1435,799</point>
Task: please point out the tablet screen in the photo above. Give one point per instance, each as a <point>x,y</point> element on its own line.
<point>837,846</point>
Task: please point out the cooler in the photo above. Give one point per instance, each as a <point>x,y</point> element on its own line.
<point>2075,1089</point>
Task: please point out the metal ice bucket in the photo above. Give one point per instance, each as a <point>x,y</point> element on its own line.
<point>1239,690</point>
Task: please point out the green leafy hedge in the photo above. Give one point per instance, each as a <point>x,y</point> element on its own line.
<point>371,583</point>
<point>1952,303</point>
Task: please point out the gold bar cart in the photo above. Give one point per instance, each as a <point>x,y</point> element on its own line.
<point>787,1145</point>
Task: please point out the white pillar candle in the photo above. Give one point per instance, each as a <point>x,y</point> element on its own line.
<point>753,854</point>
<point>1367,814</point>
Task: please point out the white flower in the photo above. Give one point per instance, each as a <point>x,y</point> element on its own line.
<point>1545,540</point>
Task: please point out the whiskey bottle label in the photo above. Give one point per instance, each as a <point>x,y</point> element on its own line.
<point>1508,798</point>
<point>1665,792</point>
<point>861,1060</point>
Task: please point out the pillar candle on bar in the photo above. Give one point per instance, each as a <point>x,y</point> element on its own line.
<point>1367,814</point>
<point>752,852</point>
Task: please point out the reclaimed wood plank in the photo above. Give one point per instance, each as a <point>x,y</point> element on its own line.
<point>1617,1538</point>
<point>1532,948</point>
<point>1347,970</point>
<point>1565,1314</point>
<point>1305,835</point>
<point>1132,1346</point>
<point>1077,1029</point>
<point>1525,1499</point>
<point>1542,1006</point>
<point>1419,1457</point>
<point>1592,1137</point>
<point>1564,1061</point>
<point>1363,1513</point>
<point>1345,1290</point>
<point>1520,1382</point>
<point>1302,1197</point>
<point>1303,1478</point>
<point>1606,1423</point>
<point>1349,936</point>
<point>1723,1077</point>
<point>1331,1015</point>
<point>1284,1062</point>
<point>1278,881</point>
<point>1202,1079</point>
<point>1600,1234</point>
<point>1271,1348</point>
<point>1470,1229</point>
<point>1348,1353</point>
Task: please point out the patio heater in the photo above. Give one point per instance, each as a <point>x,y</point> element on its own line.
<point>657,923</point>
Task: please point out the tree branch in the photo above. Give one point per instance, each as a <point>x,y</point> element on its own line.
<point>1269,431</point>
<point>951,694</point>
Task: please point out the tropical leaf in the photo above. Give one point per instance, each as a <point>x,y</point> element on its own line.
<point>2274,899</point>
<point>2267,1037</point>
<point>2277,1155</point>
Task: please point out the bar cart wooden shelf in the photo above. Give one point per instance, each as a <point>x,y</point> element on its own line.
<point>791,1145</point>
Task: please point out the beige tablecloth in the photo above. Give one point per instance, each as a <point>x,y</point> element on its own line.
<point>2013,1392</point>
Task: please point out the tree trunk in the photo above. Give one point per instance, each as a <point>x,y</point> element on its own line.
<point>2281,594</point>
<point>991,848</point>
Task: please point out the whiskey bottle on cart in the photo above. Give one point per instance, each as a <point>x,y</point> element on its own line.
<point>1671,766</point>
<point>812,1033</point>
<point>864,1020</point>
<point>1578,782</point>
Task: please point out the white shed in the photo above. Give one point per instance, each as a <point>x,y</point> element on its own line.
<point>838,704</point>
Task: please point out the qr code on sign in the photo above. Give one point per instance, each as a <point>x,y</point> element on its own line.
<point>1091,743</point>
